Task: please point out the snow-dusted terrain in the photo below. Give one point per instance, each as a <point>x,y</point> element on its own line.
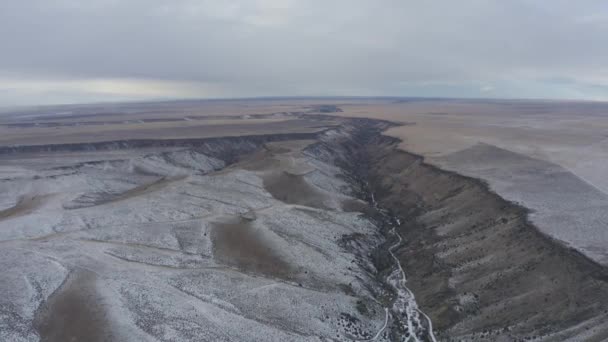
<point>562,205</point>
<point>172,245</point>
<point>265,237</point>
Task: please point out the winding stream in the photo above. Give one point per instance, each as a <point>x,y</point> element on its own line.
<point>404,308</point>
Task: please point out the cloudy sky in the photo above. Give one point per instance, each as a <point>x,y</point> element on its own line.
<point>69,51</point>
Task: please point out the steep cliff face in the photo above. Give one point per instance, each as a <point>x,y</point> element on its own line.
<point>477,266</point>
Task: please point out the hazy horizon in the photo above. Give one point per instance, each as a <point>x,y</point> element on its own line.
<point>4,108</point>
<point>69,52</point>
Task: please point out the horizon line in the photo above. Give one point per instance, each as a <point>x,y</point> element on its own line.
<point>306,97</point>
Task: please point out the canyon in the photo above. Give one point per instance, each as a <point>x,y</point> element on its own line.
<point>322,229</point>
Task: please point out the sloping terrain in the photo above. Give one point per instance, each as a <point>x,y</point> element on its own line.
<point>549,156</point>
<point>564,206</point>
<point>478,268</point>
<point>334,235</point>
<point>189,243</point>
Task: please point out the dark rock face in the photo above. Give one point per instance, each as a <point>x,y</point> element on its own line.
<point>479,269</point>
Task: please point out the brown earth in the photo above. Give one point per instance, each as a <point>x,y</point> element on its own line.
<point>237,243</point>
<point>26,205</point>
<point>293,189</point>
<point>75,312</point>
<point>161,120</point>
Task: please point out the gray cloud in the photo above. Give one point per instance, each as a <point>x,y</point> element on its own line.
<point>302,47</point>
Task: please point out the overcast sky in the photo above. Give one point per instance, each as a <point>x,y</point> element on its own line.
<point>70,51</point>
